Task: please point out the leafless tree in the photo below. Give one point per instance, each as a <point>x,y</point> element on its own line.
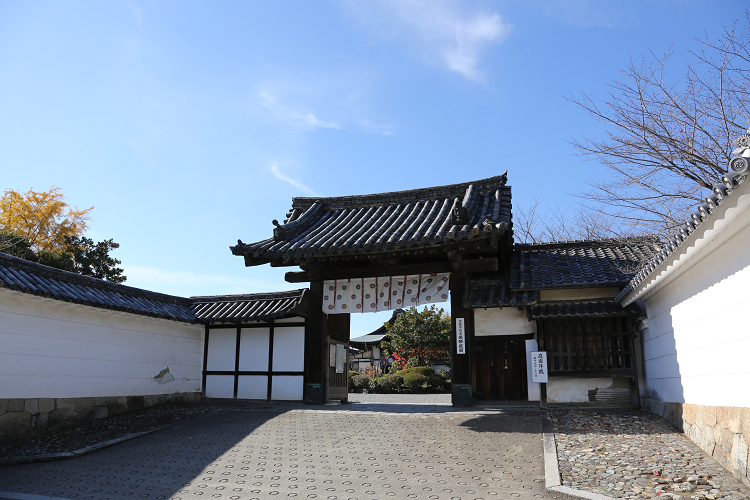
<point>533,223</point>
<point>667,142</point>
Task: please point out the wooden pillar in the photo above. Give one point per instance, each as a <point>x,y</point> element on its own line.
<point>461,369</point>
<point>316,361</point>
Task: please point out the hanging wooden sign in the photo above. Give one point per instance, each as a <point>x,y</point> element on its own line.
<point>460,336</point>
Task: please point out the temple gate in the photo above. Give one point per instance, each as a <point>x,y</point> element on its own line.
<point>401,249</point>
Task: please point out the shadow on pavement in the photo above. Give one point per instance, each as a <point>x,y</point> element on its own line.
<point>155,466</point>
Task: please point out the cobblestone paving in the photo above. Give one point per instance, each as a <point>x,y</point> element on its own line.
<point>354,451</point>
<point>635,454</point>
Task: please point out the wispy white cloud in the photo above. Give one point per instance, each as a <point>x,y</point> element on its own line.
<point>274,167</point>
<point>138,13</point>
<point>291,116</point>
<point>444,30</point>
<point>335,101</point>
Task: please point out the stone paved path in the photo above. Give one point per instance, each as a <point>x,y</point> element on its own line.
<point>367,451</point>
<point>635,454</point>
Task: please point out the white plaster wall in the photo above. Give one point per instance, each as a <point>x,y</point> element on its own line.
<point>54,349</point>
<point>502,321</point>
<point>574,390</point>
<point>698,337</point>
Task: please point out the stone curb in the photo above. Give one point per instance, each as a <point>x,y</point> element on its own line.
<point>76,453</point>
<point>552,471</point>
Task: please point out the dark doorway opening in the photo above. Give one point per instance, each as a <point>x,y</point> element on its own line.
<point>500,368</point>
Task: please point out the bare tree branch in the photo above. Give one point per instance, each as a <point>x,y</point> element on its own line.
<point>668,142</point>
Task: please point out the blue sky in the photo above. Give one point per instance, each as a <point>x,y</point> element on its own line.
<point>189,125</point>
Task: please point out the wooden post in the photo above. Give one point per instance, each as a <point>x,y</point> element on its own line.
<point>461,370</point>
<point>543,395</point>
<point>316,361</point>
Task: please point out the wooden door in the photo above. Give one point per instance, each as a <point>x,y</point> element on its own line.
<point>500,369</point>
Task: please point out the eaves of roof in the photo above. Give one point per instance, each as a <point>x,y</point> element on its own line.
<point>250,307</point>
<point>729,201</point>
<point>484,293</point>
<point>349,225</point>
<point>581,308</point>
<point>36,279</point>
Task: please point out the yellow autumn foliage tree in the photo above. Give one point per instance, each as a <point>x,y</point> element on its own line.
<point>42,217</point>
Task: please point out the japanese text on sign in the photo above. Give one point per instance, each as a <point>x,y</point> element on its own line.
<point>539,366</point>
<point>460,336</point>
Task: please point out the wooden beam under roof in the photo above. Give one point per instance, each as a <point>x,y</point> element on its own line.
<point>474,265</point>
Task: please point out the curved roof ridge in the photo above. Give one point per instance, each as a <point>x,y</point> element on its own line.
<point>249,296</point>
<point>720,192</point>
<point>419,194</point>
<point>622,240</point>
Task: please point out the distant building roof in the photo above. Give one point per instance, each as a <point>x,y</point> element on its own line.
<point>580,264</point>
<point>368,339</point>
<point>32,278</point>
<point>378,334</point>
<point>427,217</point>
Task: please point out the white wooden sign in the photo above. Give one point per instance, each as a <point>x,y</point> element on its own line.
<point>460,336</point>
<point>539,366</point>
<point>340,358</point>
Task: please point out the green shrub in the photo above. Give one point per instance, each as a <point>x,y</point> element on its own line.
<point>436,382</point>
<point>374,385</point>
<point>391,382</point>
<point>414,380</point>
<point>422,370</point>
<point>351,375</point>
<point>361,381</point>
<point>446,374</point>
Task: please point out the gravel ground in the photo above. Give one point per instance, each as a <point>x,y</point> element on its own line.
<point>76,439</point>
<point>635,454</point>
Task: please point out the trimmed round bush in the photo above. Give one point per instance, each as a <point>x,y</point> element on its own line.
<point>414,380</point>
<point>361,381</point>
<point>422,370</point>
<point>436,382</point>
<point>351,375</point>
<point>374,385</point>
<point>391,382</point>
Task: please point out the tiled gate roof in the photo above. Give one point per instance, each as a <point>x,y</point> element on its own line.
<point>318,227</point>
<point>580,264</point>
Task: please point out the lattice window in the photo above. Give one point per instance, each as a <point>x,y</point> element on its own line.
<point>586,344</point>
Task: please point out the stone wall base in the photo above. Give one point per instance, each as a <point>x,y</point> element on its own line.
<point>720,431</point>
<point>35,416</point>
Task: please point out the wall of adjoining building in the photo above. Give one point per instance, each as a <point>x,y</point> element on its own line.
<point>64,363</point>
<point>502,321</point>
<point>696,344</point>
